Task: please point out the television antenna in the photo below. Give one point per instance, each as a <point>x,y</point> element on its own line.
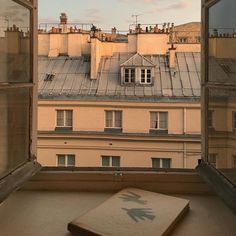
<point>136,18</point>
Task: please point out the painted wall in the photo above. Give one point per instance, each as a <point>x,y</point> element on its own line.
<point>133,154</point>
<point>136,118</point>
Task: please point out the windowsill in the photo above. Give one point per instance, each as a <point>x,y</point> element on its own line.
<point>113,130</point>
<point>115,178</point>
<point>158,131</point>
<point>63,129</point>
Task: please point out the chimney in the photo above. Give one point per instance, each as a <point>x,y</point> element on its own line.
<point>63,22</point>
<point>63,19</point>
<point>113,33</point>
<point>95,57</point>
<point>172,52</point>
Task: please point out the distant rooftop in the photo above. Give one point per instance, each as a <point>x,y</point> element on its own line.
<point>71,79</point>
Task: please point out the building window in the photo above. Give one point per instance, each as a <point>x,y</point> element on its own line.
<point>65,160</point>
<point>110,161</point>
<point>234,161</point>
<point>64,118</point>
<point>159,120</point>
<point>212,159</point>
<point>146,76</point>
<point>234,120</point>
<point>113,119</point>
<point>161,163</point>
<point>183,40</point>
<point>129,75</point>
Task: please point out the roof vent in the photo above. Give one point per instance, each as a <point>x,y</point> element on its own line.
<point>49,77</point>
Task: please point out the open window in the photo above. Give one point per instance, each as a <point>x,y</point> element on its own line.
<point>219,95</point>
<point>18,94</point>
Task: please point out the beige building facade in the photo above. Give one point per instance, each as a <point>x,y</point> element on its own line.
<point>118,103</point>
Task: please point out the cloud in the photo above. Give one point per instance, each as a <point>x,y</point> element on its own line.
<point>93,15</point>
<point>177,6</point>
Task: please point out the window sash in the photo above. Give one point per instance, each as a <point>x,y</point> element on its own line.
<point>64,118</point>
<point>61,160</point>
<point>161,163</point>
<point>113,119</point>
<point>70,160</point>
<point>146,76</point>
<point>129,75</point>
<point>159,120</point>
<point>115,161</point>
<point>105,161</point>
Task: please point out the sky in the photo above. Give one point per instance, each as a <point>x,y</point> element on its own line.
<point>109,13</point>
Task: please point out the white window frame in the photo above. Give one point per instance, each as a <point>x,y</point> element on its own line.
<point>158,120</point>
<point>110,160</point>
<point>113,121</point>
<point>130,75</point>
<point>64,118</point>
<point>145,75</point>
<point>161,161</point>
<point>66,156</point>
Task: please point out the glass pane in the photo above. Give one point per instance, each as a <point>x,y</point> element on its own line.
<point>154,120</point>
<point>222,42</point>
<point>105,161</point>
<point>14,126</point>
<point>71,160</point>
<point>61,160</point>
<point>60,118</point>
<point>14,43</point>
<point>222,139</point>
<point>118,119</point>
<point>163,120</point>
<point>222,99</point>
<point>109,119</point>
<point>115,161</point>
<point>166,163</point>
<point>156,163</point>
<point>69,115</point>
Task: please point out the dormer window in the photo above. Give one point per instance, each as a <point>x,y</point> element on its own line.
<point>129,75</point>
<point>146,76</point>
<point>137,70</point>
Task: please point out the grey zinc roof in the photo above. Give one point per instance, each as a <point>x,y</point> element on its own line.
<point>72,79</point>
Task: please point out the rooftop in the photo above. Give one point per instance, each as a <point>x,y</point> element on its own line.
<point>71,79</point>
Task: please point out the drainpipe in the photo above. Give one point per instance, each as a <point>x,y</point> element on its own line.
<point>185,156</point>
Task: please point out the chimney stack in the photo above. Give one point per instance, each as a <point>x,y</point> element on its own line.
<point>113,33</point>
<point>63,18</point>
<point>172,51</point>
<point>63,23</point>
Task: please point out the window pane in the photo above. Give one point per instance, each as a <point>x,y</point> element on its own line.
<point>156,163</point>
<point>154,120</point>
<point>71,160</point>
<point>163,120</point>
<point>60,118</point>
<point>166,163</point>
<point>127,75</point>
<point>61,160</point>
<point>14,128</point>
<point>132,75</point>
<point>69,118</point>
<point>105,161</point>
<point>115,161</point>
<point>14,43</point>
<point>118,119</point>
<point>109,119</point>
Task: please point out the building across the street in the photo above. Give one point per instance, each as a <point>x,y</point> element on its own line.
<point>133,102</point>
